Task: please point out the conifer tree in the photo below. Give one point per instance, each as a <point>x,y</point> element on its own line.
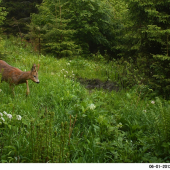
<point>93,22</point>
<point>150,40</point>
<point>51,27</point>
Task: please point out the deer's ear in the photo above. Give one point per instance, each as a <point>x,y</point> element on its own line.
<point>33,67</point>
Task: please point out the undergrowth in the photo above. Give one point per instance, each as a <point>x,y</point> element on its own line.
<point>61,121</point>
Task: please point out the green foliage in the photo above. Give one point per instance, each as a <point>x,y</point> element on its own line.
<point>63,24</point>
<point>3,13</point>
<point>62,122</point>
<point>148,33</point>
<point>136,30</point>
<point>93,22</point>
<point>18,15</point>
<point>50,26</point>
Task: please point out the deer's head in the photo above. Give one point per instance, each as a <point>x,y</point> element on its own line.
<point>34,73</point>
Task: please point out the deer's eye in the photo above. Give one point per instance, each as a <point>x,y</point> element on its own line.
<point>35,76</point>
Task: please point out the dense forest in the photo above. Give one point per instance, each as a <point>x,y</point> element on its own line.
<point>121,46</point>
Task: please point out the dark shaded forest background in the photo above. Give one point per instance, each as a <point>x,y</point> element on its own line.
<point>134,33</point>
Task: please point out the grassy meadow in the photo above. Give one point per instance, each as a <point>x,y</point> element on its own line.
<point>63,122</point>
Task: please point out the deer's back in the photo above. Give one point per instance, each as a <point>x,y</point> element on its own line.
<point>9,73</point>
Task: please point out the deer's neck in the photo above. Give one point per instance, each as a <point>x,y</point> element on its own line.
<point>23,77</point>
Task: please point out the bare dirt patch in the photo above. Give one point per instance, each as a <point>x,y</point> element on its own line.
<point>98,84</point>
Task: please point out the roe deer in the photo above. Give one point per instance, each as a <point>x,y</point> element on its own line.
<point>15,76</point>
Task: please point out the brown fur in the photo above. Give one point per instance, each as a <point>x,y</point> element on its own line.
<point>15,76</point>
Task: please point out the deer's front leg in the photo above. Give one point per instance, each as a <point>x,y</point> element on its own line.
<point>27,88</point>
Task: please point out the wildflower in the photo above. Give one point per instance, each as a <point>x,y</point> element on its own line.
<point>5,113</point>
<point>52,73</point>
<point>1,114</point>
<point>0,90</point>
<point>68,64</point>
<point>67,72</point>
<point>18,117</point>
<point>92,106</point>
<point>119,125</point>
<point>153,102</point>
<point>64,75</point>
<point>3,119</point>
<point>9,116</point>
<point>144,111</point>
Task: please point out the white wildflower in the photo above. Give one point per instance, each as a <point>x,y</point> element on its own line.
<point>0,90</point>
<point>68,64</point>
<point>67,72</point>
<point>64,75</point>
<point>153,102</point>
<point>144,111</point>
<point>3,119</point>
<point>9,116</point>
<point>52,73</point>
<point>4,112</point>
<point>119,125</point>
<point>92,106</point>
<point>1,114</point>
<point>18,117</point>
<point>73,74</point>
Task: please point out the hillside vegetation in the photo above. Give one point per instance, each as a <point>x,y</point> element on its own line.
<point>62,121</point>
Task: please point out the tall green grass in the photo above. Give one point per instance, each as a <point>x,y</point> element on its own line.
<point>64,122</point>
